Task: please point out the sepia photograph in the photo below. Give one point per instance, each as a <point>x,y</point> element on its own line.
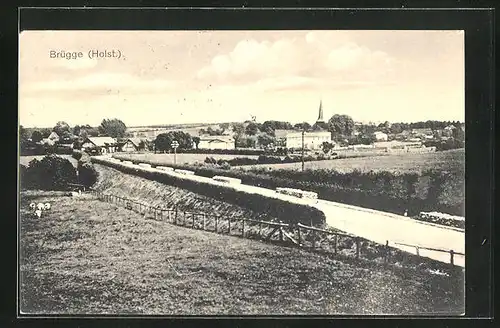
<point>241,172</point>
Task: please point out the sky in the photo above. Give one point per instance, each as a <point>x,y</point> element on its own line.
<point>173,77</point>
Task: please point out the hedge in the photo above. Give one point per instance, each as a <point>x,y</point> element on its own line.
<point>285,211</point>
<point>431,190</point>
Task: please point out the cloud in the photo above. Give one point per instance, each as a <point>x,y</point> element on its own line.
<point>100,83</point>
<point>309,60</point>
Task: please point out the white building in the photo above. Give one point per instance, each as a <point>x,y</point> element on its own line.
<point>216,142</point>
<point>312,140</point>
<point>380,136</point>
<point>105,144</point>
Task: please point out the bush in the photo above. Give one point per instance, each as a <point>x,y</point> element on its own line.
<point>50,173</point>
<point>77,154</point>
<point>210,160</point>
<point>87,174</point>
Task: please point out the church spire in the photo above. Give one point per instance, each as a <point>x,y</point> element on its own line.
<point>320,116</point>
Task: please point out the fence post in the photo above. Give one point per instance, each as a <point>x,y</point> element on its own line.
<point>260,229</point>
<point>281,232</point>
<point>161,214</point>
<point>216,223</point>
<point>204,223</point>
<point>229,225</point>
<point>243,228</point>
<point>335,241</point>
<point>418,250</point>
<point>176,213</point>
<point>194,216</point>
<point>452,253</point>
<point>184,218</point>
<point>299,237</point>
<point>314,238</point>
<point>357,248</point>
<point>386,251</point>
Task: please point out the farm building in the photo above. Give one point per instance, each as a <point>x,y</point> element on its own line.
<point>380,136</point>
<point>422,132</point>
<point>103,144</point>
<point>216,142</point>
<point>134,144</point>
<point>312,140</point>
<point>53,137</point>
<point>397,144</point>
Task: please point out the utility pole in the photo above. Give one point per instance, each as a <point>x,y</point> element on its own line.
<point>303,132</point>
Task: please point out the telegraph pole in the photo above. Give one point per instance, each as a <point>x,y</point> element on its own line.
<point>303,132</point>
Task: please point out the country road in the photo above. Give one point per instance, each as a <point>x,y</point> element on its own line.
<point>373,225</point>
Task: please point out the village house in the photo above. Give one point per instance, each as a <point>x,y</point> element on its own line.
<point>312,140</point>
<point>380,136</point>
<point>134,144</point>
<point>422,133</point>
<point>101,144</point>
<point>280,136</point>
<point>216,142</point>
<point>53,137</point>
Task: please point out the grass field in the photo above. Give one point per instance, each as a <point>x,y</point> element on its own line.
<point>89,257</point>
<point>452,160</point>
<point>25,160</point>
<point>166,159</point>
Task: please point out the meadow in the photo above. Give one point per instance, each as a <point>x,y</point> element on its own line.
<point>168,159</point>
<point>89,257</point>
<point>451,160</point>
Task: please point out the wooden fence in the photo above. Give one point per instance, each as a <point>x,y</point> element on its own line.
<point>299,235</point>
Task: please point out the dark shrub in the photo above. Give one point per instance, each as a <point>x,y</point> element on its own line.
<point>23,181</point>
<point>210,160</point>
<point>77,154</point>
<point>51,173</point>
<point>87,174</point>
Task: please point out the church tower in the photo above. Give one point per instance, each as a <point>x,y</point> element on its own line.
<point>320,116</point>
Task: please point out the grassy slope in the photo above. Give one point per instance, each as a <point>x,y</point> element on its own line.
<point>91,257</point>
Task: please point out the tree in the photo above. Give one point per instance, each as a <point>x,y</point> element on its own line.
<point>163,141</point>
<point>76,130</point>
<point>265,139</point>
<point>196,141</point>
<point>114,128</point>
<point>459,133</point>
<point>23,134</point>
<point>238,129</point>
<point>270,126</point>
<point>62,128</point>
<point>302,126</point>
<point>36,136</point>
<point>51,173</point>
<point>396,128</point>
<point>326,146</point>
<point>342,125</point>
<point>251,129</point>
